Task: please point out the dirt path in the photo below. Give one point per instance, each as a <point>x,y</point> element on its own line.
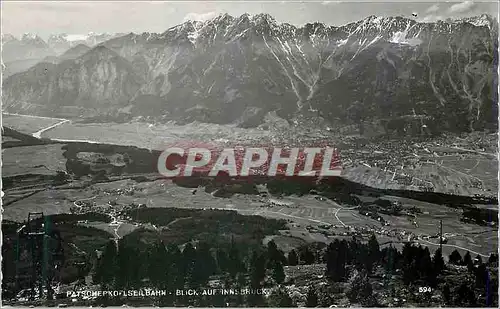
<point>176,220</point>
<point>455,246</point>
<point>491,155</point>
<point>337,212</point>
<point>75,203</point>
<point>425,242</point>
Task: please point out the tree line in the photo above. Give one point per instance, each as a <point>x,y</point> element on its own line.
<point>416,267</point>
<point>198,265</point>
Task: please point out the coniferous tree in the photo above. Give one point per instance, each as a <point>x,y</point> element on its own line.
<point>257,270</point>
<point>343,251</point>
<point>353,251</point>
<point>307,256</point>
<point>438,261</point>
<point>426,269</point>
<point>479,260</point>
<point>409,265</point>
<point>362,259</point>
<point>481,276</point>
<point>360,289</point>
<point>204,265</point>
<point>335,261</point>
<point>124,264</point>
<point>330,259</point>
<point>222,260</point>
<point>373,251</point>
<point>424,260</point>
<point>390,256</point>
<point>187,262</point>
<point>447,295</point>
<point>176,277</point>
<point>465,296</point>
<point>455,258</point>
<point>312,297</point>
<point>272,251</point>
<point>342,257</point>
<point>490,289</point>
<point>107,266</point>
<point>293,258</point>
<point>493,259</point>
<point>157,267</point>
<point>468,260</point>
<point>235,264</point>
<point>274,254</point>
<point>278,273</point>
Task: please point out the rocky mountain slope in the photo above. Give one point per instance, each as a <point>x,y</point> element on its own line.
<point>96,81</point>
<point>391,70</point>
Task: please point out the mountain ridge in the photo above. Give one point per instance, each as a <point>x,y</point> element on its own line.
<point>21,53</point>
<point>237,69</point>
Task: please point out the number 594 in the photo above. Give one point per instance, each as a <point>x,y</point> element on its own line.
<point>424,289</point>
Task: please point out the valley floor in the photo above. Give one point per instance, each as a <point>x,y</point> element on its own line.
<point>33,175</point>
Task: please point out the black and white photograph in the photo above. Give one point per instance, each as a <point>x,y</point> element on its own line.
<point>249,154</point>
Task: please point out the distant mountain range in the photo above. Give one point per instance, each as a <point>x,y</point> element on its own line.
<point>19,54</point>
<point>394,71</point>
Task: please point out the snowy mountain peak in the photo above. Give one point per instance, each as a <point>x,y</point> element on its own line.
<point>228,70</point>
<point>32,38</point>
<point>263,17</point>
<point>483,20</point>
<point>6,37</point>
<point>29,36</point>
<point>223,17</point>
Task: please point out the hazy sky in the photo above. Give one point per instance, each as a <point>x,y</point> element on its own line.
<point>80,17</point>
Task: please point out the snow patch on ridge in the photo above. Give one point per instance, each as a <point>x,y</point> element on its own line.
<point>76,37</point>
<point>400,37</point>
<point>342,42</point>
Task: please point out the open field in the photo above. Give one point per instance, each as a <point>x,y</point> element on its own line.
<point>449,169</point>
<point>305,211</point>
<point>481,239</point>
<point>50,202</point>
<point>474,174</point>
<point>455,173</point>
<point>149,136</point>
<point>40,159</point>
<point>27,124</point>
<point>122,230</point>
<point>157,136</point>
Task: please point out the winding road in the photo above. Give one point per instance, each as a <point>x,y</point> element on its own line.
<point>454,246</point>
<point>338,210</point>
<point>39,132</point>
<point>424,242</point>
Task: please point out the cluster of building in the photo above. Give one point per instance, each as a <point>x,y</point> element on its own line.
<point>112,208</point>
<point>384,155</point>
